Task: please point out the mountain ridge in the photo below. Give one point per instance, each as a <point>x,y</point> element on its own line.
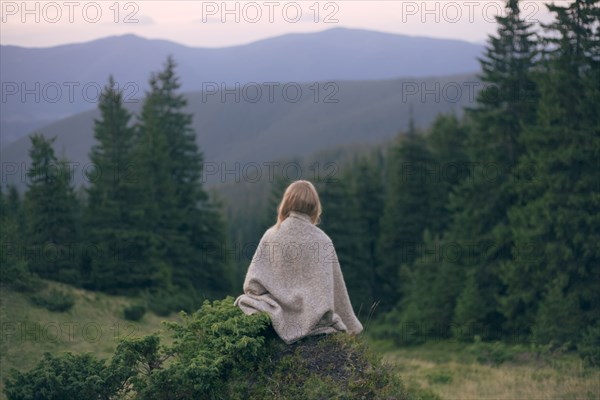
<point>336,54</point>
<point>133,36</point>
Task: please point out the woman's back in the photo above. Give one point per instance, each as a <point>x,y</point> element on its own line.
<point>295,276</point>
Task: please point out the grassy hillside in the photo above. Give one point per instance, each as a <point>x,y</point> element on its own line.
<point>94,324</point>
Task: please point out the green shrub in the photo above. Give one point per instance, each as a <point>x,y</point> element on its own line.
<point>165,302</point>
<point>559,321</point>
<point>440,377</point>
<point>134,312</point>
<point>495,352</point>
<point>217,353</point>
<point>589,346</point>
<point>210,346</point>
<point>161,308</point>
<point>402,328</point>
<point>17,276</point>
<point>54,300</point>
<point>65,377</point>
<point>419,393</point>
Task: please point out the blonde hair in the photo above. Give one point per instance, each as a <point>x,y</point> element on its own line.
<point>300,196</point>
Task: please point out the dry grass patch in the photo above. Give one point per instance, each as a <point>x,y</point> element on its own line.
<point>448,371</point>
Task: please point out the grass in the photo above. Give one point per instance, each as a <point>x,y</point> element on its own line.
<point>453,371</point>
<point>94,324</point>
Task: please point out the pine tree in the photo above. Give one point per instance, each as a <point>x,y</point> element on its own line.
<point>479,228</point>
<point>427,303</point>
<point>406,213</point>
<point>124,259</point>
<point>51,208</point>
<point>559,319</point>
<point>446,139</point>
<point>110,189</point>
<point>174,204</point>
<point>509,97</point>
<point>14,208</point>
<point>552,282</point>
<point>14,272</point>
<point>213,276</point>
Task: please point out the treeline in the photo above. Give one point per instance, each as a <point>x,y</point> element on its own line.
<point>488,226</point>
<point>144,224</point>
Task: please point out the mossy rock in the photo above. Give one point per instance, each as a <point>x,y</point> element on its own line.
<point>335,366</point>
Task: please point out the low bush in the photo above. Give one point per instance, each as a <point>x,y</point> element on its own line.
<point>440,377</point>
<point>64,377</point>
<point>497,352</point>
<point>589,347</point>
<point>165,302</point>
<point>54,300</point>
<point>134,312</point>
<point>18,277</point>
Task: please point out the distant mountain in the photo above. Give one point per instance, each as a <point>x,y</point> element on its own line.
<point>66,78</point>
<point>234,134</point>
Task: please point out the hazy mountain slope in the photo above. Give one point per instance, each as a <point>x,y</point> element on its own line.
<point>230,132</point>
<point>68,76</point>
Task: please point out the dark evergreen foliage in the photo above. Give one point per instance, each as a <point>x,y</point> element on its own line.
<point>552,288</point>
<point>406,214</point>
<point>188,228</point>
<point>52,233</point>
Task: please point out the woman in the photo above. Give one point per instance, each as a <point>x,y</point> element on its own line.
<point>295,275</point>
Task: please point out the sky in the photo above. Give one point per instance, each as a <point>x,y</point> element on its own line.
<point>227,23</point>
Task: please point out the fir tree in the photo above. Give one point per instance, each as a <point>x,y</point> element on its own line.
<point>480,203</point>
<point>51,208</point>
<point>174,204</point>
<point>552,281</point>
<point>446,139</point>
<point>110,190</point>
<point>14,209</point>
<point>14,271</point>
<point>427,302</point>
<point>406,213</point>
<point>124,258</point>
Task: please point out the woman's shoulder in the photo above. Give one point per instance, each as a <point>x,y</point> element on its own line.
<point>270,232</point>
<point>320,233</point>
<point>296,230</point>
<point>312,233</point>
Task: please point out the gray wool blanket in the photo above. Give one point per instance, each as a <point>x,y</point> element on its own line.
<point>296,278</point>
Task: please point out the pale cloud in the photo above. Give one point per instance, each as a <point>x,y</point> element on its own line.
<point>139,20</point>
<point>145,20</point>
